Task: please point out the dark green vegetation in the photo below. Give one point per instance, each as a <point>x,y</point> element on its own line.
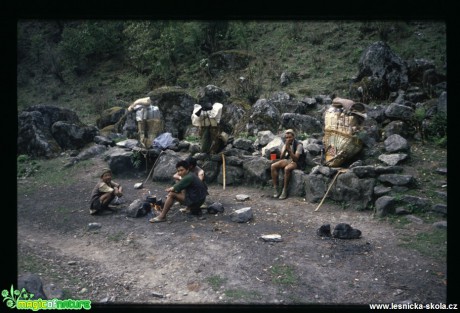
<point>89,66</point>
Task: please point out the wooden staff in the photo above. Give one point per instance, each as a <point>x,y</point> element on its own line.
<point>330,186</point>
<point>223,170</point>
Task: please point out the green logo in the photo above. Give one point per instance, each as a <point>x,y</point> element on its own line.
<point>22,300</point>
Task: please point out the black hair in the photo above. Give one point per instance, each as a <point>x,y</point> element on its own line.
<point>183,163</point>
<point>191,161</point>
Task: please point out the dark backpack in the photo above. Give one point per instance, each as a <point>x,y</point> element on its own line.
<point>302,158</point>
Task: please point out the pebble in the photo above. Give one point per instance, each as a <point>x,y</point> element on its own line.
<point>92,226</point>
<point>242,197</point>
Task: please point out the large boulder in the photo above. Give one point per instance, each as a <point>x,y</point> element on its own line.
<point>257,170</point>
<point>110,116</point>
<point>46,130</point>
<point>73,136</point>
<point>226,60</point>
<point>121,162</point>
<point>383,69</point>
<point>300,123</point>
<point>355,192</point>
<point>264,116</point>
<point>165,167</point>
<point>176,106</point>
<point>212,94</point>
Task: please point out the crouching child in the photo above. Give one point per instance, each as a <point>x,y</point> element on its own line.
<point>104,192</point>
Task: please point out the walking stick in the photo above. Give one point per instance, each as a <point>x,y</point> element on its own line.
<point>223,170</point>
<point>139,185</point>
<point>330,186</point>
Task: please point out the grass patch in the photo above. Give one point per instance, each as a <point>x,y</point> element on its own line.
<point>216,282</point>
<point>116,237</point>
<point>67,294</point>
<point>241,294</point>
<point>192,139</point>
<point>283,275</point>
<point>398,221</point>
<point>433,244</point>
<point>47,172</point>
<point>29,263</point>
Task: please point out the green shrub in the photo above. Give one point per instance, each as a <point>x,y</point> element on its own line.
<point>26,166</point>
<point>436,131</point>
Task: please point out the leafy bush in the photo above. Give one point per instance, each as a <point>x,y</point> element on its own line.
<point>88,41</point>
<point>436,130</point>
<point>26,166</point>
<point>136,159</point>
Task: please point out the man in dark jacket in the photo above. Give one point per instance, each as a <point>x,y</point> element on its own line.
<point>194,196</point>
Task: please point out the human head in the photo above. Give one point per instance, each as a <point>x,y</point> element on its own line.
<point>289,135</point>
<point>191,162</point>
<point>289,131</point>
<point>105,170</point>
<point>106,175</point>
<point>182,167</point>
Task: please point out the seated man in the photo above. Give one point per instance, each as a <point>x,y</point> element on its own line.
<point>193,197</point>
<point>195,169</point>
<point>291,157</point>
<point>104,192</point>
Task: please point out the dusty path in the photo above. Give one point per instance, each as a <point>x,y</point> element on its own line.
<point>217,261</point>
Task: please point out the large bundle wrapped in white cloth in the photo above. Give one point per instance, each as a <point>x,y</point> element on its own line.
<point>139,103</point>
<point>207,118</point>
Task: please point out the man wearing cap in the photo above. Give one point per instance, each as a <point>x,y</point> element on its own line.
<point>291,158</point>
<point>104,192</point>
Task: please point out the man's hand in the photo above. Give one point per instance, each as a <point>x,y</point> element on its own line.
<point>170,189</point>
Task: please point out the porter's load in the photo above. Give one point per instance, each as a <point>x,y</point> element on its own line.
<point>207,115</point>
<point>149,120</point>
<point>207,118</point>
<point>342,122</point>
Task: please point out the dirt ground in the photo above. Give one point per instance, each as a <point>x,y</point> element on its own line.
<point>214,260</point>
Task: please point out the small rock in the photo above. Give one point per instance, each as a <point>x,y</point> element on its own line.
<point>83,290</point>
<point>242,197</point>
<point>52,291</point>
<point>92,226</point>
<point>414,219</point>
<point>440,224</point>
<point>158,295</point>
<point>138,186</point>
<point>272,238</point>
<point>324,231</point>
<point>72,262</point>
<point>345,231</point>
<point>242,215</point>
<point>401,211</point>
<point>442,171</point>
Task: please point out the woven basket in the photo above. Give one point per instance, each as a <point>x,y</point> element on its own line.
<point>340,147</point>
<point>339,140</point>
<point>149,130</point>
